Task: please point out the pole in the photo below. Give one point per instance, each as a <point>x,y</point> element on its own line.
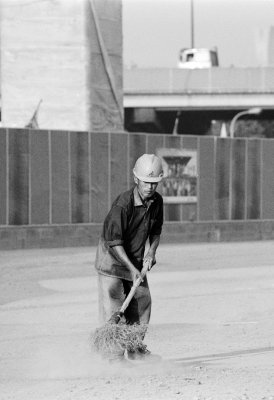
<point>233,122</point>
<point>254,111</point>
<point>192,22</point>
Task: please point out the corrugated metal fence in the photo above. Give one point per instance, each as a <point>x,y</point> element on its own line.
<point>58,177</point>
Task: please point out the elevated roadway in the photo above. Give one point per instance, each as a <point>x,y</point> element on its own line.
<point>214,88</point>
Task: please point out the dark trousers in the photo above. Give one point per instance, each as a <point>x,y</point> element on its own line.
<point>112,293</point>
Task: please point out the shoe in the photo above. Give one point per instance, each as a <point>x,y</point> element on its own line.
<point>143,355</point>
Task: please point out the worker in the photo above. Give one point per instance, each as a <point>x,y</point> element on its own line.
<point>134,221</point>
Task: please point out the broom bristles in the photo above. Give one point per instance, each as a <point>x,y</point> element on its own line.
<point>112,338</point>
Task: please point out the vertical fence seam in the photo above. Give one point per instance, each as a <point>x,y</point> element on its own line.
<point>215,176</point>
<point>50,177</point>
<point>166,209</point>
<point>109,170</point>
<point>69,178</point>
<point>89,178</point>
<point>29,178</point>
<point>146,143</point>
<point>261,179</point>
<point>198,178</point>
<point>246,178</point>
<point>230,180</point>
<point>128,161</point>
<point>181,205</point>
<point>7,178</point>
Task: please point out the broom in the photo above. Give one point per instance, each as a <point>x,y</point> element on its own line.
<point>116,335</point>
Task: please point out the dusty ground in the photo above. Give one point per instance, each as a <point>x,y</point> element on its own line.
<point>212,323</point>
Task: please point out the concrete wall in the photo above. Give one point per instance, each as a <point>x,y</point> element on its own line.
<point>66,235</point>
<point>52,50</point>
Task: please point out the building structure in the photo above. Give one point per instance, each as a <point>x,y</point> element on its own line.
<point>66,57</point>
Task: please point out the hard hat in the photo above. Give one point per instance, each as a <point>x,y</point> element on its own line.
<point>148,168</point>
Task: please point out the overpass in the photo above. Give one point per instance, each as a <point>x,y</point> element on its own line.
<point>218,88</point>
<point>154,98</point>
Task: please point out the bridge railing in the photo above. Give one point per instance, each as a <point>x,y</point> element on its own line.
<point>210,80</point>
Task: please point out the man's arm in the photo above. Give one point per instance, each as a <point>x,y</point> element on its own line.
<point>154,241</point>
<point>122,256</point>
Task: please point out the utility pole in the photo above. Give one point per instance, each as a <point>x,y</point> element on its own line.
<point>192,22</point>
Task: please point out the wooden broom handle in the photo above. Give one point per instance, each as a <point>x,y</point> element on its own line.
<point>133,289</point>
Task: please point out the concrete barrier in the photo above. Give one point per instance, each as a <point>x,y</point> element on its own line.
<point>74,235</point>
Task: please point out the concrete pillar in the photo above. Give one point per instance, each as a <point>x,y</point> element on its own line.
<point>46,55</point>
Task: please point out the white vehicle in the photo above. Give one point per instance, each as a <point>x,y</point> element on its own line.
<point>198,58</point>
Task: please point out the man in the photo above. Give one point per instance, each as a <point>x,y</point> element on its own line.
<point>134,220</point>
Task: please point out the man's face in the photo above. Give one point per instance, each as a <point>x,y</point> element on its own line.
<point>146,189</point>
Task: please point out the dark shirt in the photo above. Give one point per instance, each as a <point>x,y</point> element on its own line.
<point>129,223</point>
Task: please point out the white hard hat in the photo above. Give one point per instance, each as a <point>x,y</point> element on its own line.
<point>148,168</point>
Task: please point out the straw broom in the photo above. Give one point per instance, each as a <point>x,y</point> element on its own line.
<point>116,335</point>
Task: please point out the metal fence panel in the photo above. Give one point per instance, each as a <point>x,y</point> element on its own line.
<point>206,190</point>
<point>60,178</point>
<point>154,142</point>
<point>238,179</point>
<point>39,155</point>
<point>79,177</point>
<point>100,175</point>
<point>18,177</point>
<point>3,177</point>
<point>137,147</point>
<point>253,184</point>
<point>267,179</point>
<point>222,180</point>
<point>118,164</point>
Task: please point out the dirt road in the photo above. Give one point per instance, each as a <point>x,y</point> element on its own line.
<point>212,323</point>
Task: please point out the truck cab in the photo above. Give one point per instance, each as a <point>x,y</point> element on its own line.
<point>198,58</point>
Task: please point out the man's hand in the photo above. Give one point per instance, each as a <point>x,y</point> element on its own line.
<point>148,262</point>
<point>135,273</point>
<point>149,259</point>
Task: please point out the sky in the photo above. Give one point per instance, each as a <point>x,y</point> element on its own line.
<point>155,30</point>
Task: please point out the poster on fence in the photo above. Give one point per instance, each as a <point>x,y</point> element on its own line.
<point>180,175</point>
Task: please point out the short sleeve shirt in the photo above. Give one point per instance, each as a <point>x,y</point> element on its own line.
<point>129,223</point>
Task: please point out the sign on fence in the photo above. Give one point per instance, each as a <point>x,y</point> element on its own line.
<point>180,172</point>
